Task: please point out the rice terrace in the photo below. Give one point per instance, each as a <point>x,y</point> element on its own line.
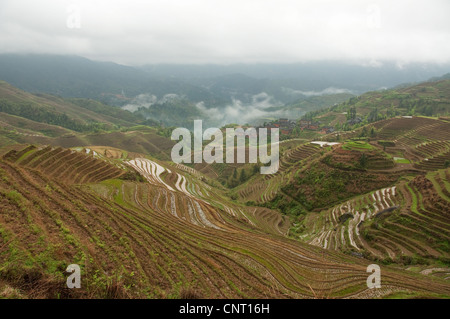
<point>271,165</point>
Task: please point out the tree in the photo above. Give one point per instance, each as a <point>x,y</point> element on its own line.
<point>351,113</point>
<point>243,176</point>
<point>363,132</point>
<point>337,127</point>
<point>373,116</point>
<point>363,160</point>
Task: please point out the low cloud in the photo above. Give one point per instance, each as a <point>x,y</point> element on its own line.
<point>261,107</point>
<point>141,101</point>
<point>147,100</point>
<point>241,113</point>
<point>327,91</point>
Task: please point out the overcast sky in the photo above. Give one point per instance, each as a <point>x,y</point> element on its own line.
<point>137,32</point>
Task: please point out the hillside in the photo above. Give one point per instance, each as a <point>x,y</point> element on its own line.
<point>157,235</point>
<point>77,114</point>
<point>47,119</point>
<point>424,99</point>
<point>365,195</point>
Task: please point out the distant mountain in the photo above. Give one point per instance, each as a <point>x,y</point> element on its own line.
<point>73,76</point>
<point>239,93</point>
<point>315,76</point>
<point>438,78</point>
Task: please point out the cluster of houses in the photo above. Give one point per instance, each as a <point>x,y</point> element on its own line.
<point>286,126</point>
<point>309,125</point>
<point>314,126</point>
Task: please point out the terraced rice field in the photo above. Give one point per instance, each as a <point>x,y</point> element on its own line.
<point>409,219</point>
<point>299,153</point>
<point>346,157</point>
<point>430,149</point>
<point>265,189</point>
<point>66,165</point>
<point>161,238</point>
<point>439,161</point>
<point>331,232</point>
<point>414,131</point>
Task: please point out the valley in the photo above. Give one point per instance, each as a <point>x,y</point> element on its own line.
<point>92,184</point>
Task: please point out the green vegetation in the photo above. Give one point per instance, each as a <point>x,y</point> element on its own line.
<point>357,145</point>
<point>402,160</point>
<point>386,143</point>
<point>431,99</point>
<point>319,186</point>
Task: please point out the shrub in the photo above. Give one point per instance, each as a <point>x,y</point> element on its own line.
<point>386,143</point>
